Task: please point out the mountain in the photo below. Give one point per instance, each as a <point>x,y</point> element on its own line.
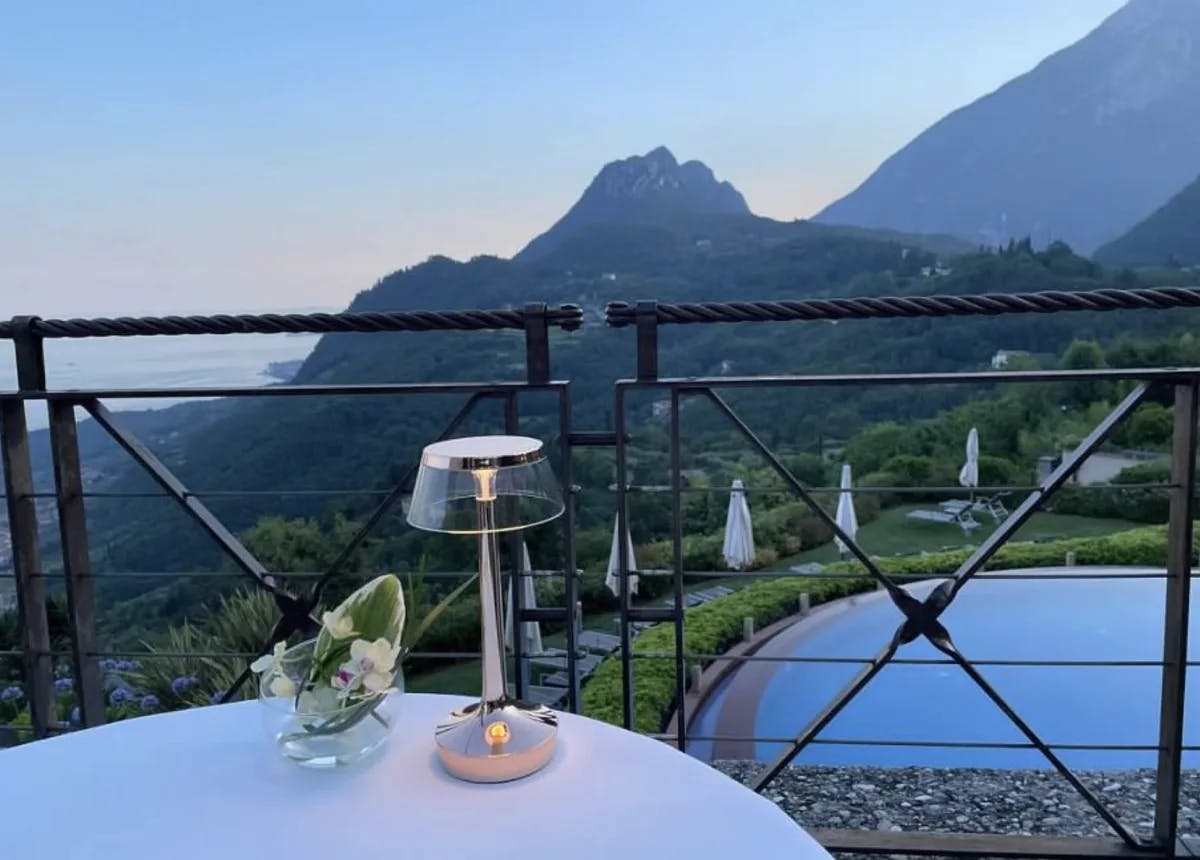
<point>1170,236</point>
<point>643,189</point>
<point>309,456</point>
<point>1079,149</point>
<point>289,452</point>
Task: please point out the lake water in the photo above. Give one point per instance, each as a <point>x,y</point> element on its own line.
<point>194,361</point>
<point>1037,619</point>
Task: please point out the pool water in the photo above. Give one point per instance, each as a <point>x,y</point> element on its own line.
<point>998,619</point>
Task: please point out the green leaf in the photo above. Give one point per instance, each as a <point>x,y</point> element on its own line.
<point>377,611</point>
<point>414,636</point>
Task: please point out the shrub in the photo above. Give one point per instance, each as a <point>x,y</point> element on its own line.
<point>812,470</point>
<point>1152,425</point>
<point>1119,501</point>
<point>710,629</point>
<point>999,472</point>
<point>911,470</point>
<point>879,479</point>
<point>1156,472</point>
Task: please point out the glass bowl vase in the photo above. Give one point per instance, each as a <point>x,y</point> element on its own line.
<point>317,729</point>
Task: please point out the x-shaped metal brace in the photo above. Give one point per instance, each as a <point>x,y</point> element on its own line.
<point>921,617</point>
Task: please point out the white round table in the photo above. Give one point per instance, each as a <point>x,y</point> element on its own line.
<point>207,783</point>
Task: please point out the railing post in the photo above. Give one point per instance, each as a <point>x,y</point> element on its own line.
<point>512,422</point>
<point>647,341</point>
<point>570,575</point>
<point>537,344</point>
<point>677,573</point>
<point>77,567</point>
<point>23,528</point>
<point>623,563</point>
<point>1175,626</point>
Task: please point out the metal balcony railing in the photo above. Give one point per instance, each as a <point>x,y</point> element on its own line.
<point>296,594</point>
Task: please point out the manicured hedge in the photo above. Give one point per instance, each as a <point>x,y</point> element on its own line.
<point>713,627</point>
<point>1139,504</point>
<point>1144,546</point>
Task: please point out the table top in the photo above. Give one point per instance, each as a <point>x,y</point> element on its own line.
<point>207,783</point>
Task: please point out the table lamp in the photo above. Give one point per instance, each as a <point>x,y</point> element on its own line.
<point>485,485</point>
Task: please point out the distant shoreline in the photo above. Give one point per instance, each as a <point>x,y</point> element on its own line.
<point>284,371</point>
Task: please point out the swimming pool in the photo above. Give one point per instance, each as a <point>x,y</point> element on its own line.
<point>1043,618</point>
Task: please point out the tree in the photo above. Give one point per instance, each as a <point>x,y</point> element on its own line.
<point>1085,355</point>
<point>1150,427</point>
<point>910,470</point>
<point>875,445</point>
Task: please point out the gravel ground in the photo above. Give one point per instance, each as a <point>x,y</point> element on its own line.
<point>968,801</point>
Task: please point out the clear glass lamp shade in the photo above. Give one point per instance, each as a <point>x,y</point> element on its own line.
<point>457,474</point>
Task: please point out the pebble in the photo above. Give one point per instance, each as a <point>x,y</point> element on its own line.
<point>969,800</point>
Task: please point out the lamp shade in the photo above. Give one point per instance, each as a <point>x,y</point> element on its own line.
<point>456,475</point>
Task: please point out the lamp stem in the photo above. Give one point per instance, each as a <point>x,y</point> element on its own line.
<point>491,610</point>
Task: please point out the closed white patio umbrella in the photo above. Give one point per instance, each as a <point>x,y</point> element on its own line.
<point>968,476</point>
<point>613,579</point>
<point>531,631</point>
<point>739,531</point>
<point>846,518</point>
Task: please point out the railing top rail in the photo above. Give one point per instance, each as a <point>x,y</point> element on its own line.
<point>619,314</point>
<point>78,395</point>
<point>565,317</point>
<point>698,384</point>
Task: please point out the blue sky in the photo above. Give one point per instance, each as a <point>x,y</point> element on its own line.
<point>201,156</point>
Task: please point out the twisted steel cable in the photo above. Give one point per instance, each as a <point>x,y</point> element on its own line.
<point>566,317</point>
<point>620,314</point>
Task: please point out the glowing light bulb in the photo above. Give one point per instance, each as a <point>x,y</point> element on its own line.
<point>497,733</point>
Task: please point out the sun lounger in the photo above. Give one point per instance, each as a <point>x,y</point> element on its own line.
<point>546,695</point>
<point>594,640</point>
<point>951,513</point>
<point>584,666</point>
<point>994,505</point>
<point>541,694</point>
<point>549,657</point>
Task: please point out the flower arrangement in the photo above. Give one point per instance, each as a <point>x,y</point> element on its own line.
<point>344,674</point>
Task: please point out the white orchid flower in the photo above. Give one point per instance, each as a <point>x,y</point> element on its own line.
<point>345,681</point>
<point>268,663</point>
<point>339,624</point>
<point>370,667</point>
<point>374,658</point>
<point>283,686</point>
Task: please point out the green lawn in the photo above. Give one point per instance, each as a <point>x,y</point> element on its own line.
<point>894,533</point>
<point>891,533</point>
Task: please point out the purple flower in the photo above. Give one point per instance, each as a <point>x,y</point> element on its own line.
<point>149,702</point>
<point>181,685</point>
<point>215,698</point>
<point>109,665</point>
<point>118,696</point>
<point>63,685</point>
<point>11,692</point>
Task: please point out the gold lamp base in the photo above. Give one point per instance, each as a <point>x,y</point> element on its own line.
<point>497,741</point>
